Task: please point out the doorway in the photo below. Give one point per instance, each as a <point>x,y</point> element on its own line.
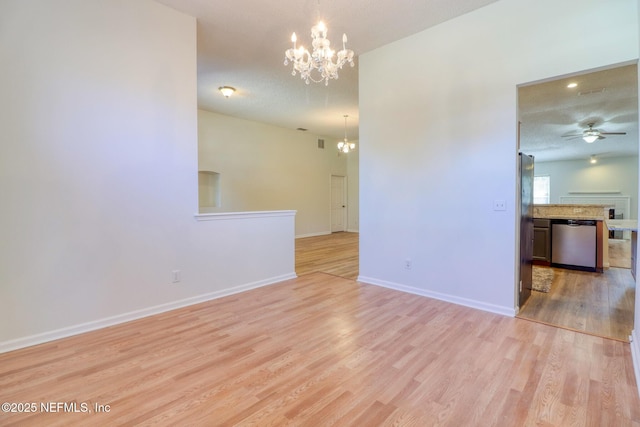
<point>555,114</point>
<point>338,203</point>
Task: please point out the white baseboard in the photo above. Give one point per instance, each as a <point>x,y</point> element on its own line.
<point>19,343</point>
<point>353,230</point>
<point>505,311</point>
<point>322,233</point>
<point>635,356</point>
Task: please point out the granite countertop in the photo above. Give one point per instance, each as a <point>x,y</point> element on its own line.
<point>594,212</point>
<point>567,205</point>
<point>622,224</point>
<point>582,217</point>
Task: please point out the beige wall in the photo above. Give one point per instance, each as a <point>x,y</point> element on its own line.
<point>265,167</point>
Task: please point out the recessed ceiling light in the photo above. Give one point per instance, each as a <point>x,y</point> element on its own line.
<point>572,85</point>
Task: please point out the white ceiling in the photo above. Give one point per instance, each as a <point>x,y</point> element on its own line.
<point>241,43</point>
<point>550,110</point>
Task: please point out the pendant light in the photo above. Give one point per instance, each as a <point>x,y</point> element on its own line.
<point>345,146</point>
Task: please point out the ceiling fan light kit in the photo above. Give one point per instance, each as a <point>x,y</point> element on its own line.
<point>321,60</point>
<point>591,135</point>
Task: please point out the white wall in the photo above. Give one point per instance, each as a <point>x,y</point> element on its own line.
<point>98,173</point>
<point>353,190</point>
<point>430,199</point>
<point>264,167</point>
<point>607,175</point>
<point>635,336</point>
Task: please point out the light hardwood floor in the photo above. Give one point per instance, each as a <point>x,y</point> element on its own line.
<point>335,253</point>
<point>321,350</point>
<point>601,304</point>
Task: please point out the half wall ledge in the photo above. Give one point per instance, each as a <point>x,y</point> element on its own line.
<point>220,216</point>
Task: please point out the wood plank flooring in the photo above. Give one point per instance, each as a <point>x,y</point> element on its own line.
<point>620,253</point>
<point>335,253</point>
<point>321,350</point>
<point>601,304</point>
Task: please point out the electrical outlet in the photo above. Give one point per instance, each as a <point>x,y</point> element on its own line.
<point>499,205</point>
<point>175,274</point>
<point>577,210</point>
<point>407,264</point>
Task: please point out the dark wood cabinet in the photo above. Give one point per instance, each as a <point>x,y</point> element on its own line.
<point>541,240</point>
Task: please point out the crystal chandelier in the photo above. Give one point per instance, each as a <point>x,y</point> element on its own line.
<point>345,146</point>
<point>322,58</point>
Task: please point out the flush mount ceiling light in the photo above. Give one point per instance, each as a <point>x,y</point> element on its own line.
<point>572,85</point>
<point>227,91</point>
<point>593,159</point>
<point>345,146</point>
<point>321,60</point>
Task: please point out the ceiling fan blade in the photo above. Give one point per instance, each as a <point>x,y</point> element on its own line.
<point>613,133</point>
<point>572,135</point>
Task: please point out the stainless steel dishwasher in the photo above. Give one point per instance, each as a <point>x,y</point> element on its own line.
<point>573,244</point>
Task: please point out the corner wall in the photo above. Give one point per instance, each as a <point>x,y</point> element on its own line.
<point>98,173</point>
<point>635,335</point>
<point>431,200</point>
<point>265,167</point>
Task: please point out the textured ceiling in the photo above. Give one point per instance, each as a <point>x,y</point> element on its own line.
<point>607,98</point>
<point>241,43</point>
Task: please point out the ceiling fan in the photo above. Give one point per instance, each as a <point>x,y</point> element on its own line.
<point>591,135</point>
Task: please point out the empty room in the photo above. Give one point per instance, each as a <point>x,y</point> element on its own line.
<point>164,163</point>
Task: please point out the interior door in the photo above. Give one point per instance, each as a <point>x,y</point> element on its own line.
<point>338,203</point>
<point>526,228</point>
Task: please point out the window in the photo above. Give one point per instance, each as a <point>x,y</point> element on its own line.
<point>541,190</point>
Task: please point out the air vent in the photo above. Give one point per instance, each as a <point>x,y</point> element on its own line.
<point>592,91</point>
<point>321,143</point>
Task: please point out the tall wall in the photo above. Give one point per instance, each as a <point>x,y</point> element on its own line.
<point>635,341</point>
<point>98,173</point>
<point>431,198</point>
<point>609,174</point>
<point>264,167</point>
